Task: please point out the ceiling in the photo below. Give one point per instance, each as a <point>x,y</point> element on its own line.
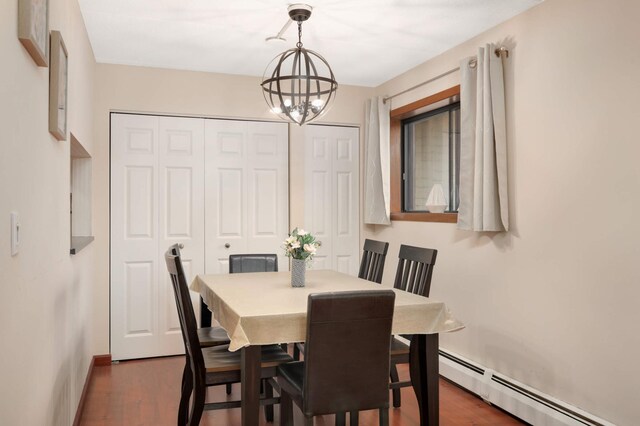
<point>367,42</point>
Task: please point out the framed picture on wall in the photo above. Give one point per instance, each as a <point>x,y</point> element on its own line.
<point>58,87</point>
<point>33,29</point>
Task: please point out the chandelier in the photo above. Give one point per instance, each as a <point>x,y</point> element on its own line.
<point>299,84</point>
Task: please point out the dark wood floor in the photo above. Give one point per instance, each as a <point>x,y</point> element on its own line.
<point>146,392</point>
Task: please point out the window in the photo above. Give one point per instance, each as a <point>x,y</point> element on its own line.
<point>425,153</point>
<point>431,157</point>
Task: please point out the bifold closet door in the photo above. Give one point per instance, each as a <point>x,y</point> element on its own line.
<point>246,201</point>
<point>332,195</point>
<point>157,199</point>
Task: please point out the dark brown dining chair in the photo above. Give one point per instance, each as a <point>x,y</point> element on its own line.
<point>374,253</point>
<point>346,366</point>
<point>239,263</point>
<point>415,268</point>
<point>210,366</point>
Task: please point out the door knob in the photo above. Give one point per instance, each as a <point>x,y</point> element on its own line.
<point>227,245</point>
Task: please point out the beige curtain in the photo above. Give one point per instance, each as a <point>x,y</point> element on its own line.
<point>377,193</point>
<point>483,150</point>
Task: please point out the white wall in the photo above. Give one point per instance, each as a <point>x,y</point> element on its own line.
<point>45,294</point>
<point>152,90</point>
<point>554,302</point>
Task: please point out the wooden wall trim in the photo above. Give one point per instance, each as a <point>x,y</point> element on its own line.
<point>96,361</point>
<point>426,217</point>
<point>102,360</point>
<point>400,112</point>
<point>395,156</point>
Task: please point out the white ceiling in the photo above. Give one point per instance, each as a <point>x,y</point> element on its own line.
<point>367,42</point>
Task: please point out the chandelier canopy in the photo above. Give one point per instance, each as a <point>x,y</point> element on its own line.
<point>299,84</point>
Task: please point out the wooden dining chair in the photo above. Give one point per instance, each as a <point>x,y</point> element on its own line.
<point>374,254</point>
<point>346,366</point>
<point>415,268</point>
<point>208,336</point>
<point>214,365</point>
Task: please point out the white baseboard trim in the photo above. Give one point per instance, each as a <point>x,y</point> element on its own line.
<point>522,401</point>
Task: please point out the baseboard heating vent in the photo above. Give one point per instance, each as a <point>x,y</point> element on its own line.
<point>522,401</point>
<point>462,362</point>
<point>581,419</point>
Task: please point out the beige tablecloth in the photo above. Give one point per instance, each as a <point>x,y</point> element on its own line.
<point>262,308</point>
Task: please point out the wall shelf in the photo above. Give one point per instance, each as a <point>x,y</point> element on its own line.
<point>80,196</point>
<point>78,243</point>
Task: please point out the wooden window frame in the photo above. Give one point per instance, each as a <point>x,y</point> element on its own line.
<point>396,117</point>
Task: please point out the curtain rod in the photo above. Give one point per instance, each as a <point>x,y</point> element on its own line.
<point>499,51</point>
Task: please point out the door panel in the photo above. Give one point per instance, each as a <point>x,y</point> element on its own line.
<point>267,171</point>
<point>157,183</point>
<point>246,190</point>
<point>139,203</point>
<point>180,216</point>
<point>332,195</point>
<point>134,238</point>
<point>139,291</point>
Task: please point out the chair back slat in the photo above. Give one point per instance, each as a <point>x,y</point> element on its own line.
<point>373,258</point>
<point>347,351</point>
<point>415,268</point>
<point>253,263</point>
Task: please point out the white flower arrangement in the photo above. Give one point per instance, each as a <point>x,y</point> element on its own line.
<point>300,245</point>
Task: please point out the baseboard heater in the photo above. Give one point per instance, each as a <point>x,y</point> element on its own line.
<point>522,401</point>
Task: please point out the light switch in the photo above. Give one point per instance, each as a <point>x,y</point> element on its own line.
<point>15,234</point>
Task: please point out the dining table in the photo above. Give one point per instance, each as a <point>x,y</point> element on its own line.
<point>262,308</point>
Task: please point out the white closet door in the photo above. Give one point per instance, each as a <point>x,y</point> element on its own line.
<point>332,195</point>
<point>156,200</point>
<point>246,201</point>
<point>180,215</point>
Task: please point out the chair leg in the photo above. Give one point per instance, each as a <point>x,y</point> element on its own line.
<point>228,388</point>
<point>185,395</point>
<point>341,418</point>
<point>197,404</point>
<point>354,418</point>
<point>268,409</point>
<point>286,410</point>
<point>205,314</point>
<point>308,421</point>
<point>396,392</point>
<point>384,417</point>
<point>296,352</point>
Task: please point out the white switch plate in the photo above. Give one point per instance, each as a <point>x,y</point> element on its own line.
<point>15,234</point>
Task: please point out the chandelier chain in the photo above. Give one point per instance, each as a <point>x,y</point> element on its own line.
<point>299,43</point>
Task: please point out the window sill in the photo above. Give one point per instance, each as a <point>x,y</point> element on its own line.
<point>425,217</point>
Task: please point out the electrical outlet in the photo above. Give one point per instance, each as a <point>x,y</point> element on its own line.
<point>15,233</point>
